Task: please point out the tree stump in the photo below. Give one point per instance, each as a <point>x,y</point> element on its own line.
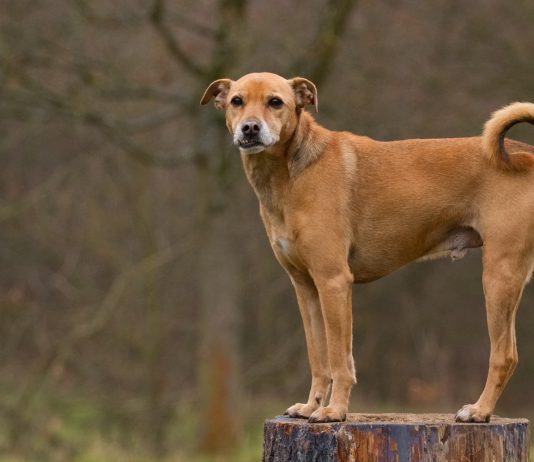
<point>396,437</point>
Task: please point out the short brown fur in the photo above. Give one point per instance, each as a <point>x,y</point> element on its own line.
<point>341,209</point>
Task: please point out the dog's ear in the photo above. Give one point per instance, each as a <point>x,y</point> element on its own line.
<point>305,92</point>
<point>219,91</point>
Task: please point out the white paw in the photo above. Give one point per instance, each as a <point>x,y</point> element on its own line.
<point>472,413</point>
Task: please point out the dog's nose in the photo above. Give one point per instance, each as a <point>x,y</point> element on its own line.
<point>251,127</point>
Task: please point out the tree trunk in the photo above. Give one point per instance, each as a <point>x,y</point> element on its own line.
<point>396,437</point>
<point>218,290</point>
<point>219,362</point>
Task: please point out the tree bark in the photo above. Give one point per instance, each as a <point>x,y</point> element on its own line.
<point>396,437</point>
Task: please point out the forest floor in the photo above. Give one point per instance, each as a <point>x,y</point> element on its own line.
<point>67,427</point>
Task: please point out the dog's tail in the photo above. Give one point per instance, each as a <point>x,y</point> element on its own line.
<point>495,130</point>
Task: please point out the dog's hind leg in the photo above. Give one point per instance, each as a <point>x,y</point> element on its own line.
<point>506,270</point>
<point>314,329</point>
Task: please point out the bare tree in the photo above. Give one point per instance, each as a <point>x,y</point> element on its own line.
<point>79,91</point>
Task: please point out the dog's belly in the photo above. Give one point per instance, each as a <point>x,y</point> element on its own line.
<point>373,262</point>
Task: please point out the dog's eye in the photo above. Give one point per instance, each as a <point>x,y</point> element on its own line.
<point>275,102</point>
<point>236,101</point>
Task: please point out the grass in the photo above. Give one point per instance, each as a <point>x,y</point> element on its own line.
<point>73,427</point>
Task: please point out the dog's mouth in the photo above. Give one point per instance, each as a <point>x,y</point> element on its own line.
<point>250,143</point>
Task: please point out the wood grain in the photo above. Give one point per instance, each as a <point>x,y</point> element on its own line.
<point>396,437</point>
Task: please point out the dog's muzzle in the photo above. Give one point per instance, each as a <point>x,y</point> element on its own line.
<point>252,136</point>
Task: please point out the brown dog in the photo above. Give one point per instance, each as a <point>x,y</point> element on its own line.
<point>342,209</point>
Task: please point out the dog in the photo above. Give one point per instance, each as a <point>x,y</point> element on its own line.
<point>341,209</point>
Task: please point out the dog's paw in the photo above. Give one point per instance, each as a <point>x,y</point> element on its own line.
<point>328,414</point>
<point>472,413</point>
<point>300,410</point>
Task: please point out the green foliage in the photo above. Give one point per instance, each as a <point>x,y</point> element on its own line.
<point>72,427</point>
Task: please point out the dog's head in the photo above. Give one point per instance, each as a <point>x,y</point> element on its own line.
<point>262,108</point>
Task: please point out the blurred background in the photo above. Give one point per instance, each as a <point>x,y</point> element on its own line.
<point>143,316</point>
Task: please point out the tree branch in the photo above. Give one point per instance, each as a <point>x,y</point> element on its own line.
<point>327,39</point>
<point>140,153</point>
<point>98,319</point>
<point>115,130</point>
<point>121,92</point>
<point>193,26</point>
<point>13,208</point>
<point>157,19</point>
<point>87,12</point>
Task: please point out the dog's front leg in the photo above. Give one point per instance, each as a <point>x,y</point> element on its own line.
<point>314,329</point>
<point>335,294</point>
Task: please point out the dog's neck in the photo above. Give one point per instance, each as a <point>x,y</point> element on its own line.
<point>306,144</point>
<point>271,171</point>
<point>268,174</point>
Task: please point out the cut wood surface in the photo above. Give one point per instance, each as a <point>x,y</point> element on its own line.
<point>396,437</point>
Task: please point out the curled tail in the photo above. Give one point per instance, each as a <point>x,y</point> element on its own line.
<point>495,131</point>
